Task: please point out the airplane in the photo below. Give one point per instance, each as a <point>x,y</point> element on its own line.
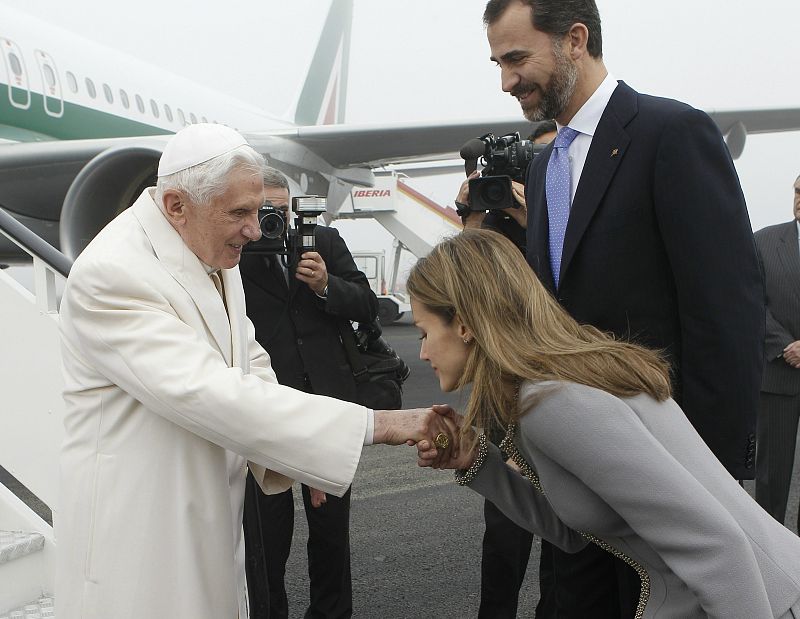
<point>83,127</point>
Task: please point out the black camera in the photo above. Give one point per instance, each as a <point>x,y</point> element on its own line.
<point>504,159</point>
<point>274,232</point>
<point>278,238</point>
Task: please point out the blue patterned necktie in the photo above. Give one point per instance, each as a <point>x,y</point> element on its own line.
<point>558,190</point>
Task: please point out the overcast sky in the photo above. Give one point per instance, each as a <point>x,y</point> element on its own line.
<point>417,60</point>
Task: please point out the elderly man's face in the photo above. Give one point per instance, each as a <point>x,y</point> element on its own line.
<point>217,232</point>
<point>533,69</point>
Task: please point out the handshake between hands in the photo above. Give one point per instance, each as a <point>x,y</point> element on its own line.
<point>423,427</point>
<point>436,432</point>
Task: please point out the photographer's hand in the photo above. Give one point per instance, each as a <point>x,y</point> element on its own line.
<point>520,215</point>
<point>475,218</point>
<point>312,270</point>
<point>463,191</point>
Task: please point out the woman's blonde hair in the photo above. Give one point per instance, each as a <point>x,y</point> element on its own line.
<point>520,332</point>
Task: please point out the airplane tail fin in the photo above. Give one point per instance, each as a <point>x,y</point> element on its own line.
<point>322,99</point>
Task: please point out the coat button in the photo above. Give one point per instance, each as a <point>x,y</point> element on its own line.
<point>299,341</point>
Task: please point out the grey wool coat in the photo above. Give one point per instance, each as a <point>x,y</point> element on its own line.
<point>633,476</point>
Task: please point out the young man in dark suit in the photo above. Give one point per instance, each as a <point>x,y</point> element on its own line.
<point>779,251</point>
<point>297,314</point>
<point>637,224</point>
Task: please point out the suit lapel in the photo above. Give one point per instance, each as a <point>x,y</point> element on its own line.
<point>609,145</point>
<point>186,269</point>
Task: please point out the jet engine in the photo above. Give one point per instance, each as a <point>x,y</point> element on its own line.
<point>105,187</point>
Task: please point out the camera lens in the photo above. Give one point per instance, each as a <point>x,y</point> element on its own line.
<point>494,193</point>
<point>272,226</point>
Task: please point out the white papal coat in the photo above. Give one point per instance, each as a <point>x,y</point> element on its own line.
<point>166,402</point>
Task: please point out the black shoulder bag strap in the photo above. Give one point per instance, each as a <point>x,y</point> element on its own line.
<point>357,365</point>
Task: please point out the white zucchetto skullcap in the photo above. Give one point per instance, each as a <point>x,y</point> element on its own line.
<point>196,144</point>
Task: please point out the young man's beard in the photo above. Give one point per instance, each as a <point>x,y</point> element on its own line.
<point>555,97</point>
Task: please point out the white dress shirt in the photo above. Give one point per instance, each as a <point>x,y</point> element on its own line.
<point>585,122</point>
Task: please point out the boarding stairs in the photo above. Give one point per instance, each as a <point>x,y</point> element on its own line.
<point>31,424</point>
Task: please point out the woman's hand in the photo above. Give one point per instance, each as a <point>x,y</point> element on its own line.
<point>457,457</point>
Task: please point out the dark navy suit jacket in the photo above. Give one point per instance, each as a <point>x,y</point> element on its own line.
<point>659,250</point>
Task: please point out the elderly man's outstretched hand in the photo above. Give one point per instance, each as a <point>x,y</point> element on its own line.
<point>435,426</point>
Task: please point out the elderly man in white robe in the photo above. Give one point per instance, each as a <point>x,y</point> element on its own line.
<point>169,399</point>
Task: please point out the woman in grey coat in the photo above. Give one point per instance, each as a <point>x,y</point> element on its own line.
<point>601,453</point>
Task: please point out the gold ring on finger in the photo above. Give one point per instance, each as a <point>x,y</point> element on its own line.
<point>442,441</point>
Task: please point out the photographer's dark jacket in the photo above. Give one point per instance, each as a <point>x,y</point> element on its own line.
<point>659,249</point>
<point>297,328</point>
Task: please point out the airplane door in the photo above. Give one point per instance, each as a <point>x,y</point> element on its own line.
<point>51,85</point>
<point>19,91</point>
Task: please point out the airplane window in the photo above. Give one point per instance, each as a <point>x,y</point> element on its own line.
<point>16,65</point>
<point>49,76</point>
<point>181,117</point>
<point>168,112</point>
<point>194,118</point>
<point>72,81</point>
<point>90,88</point>
<point>107,92</point>
<point>123,96</point>
<point>154,108</point>
<point>140,104</point>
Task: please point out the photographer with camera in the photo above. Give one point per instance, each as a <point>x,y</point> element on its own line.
<point>297,301</point>
<point>500,204</point>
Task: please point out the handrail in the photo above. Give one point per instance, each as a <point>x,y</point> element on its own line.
<point>34,244</point>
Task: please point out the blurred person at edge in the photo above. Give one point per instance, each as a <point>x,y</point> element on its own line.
<point>779,251</point>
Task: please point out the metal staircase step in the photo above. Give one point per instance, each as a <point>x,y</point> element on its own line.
<point>41,608</point>
<point>16,544</point>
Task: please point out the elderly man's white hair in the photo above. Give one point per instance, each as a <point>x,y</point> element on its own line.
<point>204,182</point>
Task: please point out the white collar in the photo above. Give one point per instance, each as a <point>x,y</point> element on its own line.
<point>588,117</point>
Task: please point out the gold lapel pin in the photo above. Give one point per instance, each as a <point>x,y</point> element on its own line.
<point>615,152</point>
